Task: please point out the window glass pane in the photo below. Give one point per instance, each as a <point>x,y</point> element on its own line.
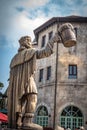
<point>72,71</point>
<point>42,116</point>
<point>41,75</point>
<point>75,29</point>
<point>42,111</point>
<point>43,41</point>
<point>50,35</point>
<point>48,72</point>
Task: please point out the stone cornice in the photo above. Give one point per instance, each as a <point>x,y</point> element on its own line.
<point>73,19</point>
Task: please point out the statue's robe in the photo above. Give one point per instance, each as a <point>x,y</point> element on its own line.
<point>21,81</point>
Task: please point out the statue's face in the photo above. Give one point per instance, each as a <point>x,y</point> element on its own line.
<point>27,41</point>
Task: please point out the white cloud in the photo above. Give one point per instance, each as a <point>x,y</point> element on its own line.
<point>84,1</point>
<point>83,12</point>
<point>34,3</point>
<point>14,24</point>
<point>21,25</point>
<point>70,2</point>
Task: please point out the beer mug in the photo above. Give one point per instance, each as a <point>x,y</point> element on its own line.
<point>67,34</point>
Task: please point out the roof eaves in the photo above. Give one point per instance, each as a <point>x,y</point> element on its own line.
<point>45,25</point>
<point>53,20</point>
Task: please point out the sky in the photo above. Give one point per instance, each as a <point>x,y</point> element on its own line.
<point>20,17</point>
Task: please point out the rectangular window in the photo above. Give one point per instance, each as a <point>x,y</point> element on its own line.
<point>72,71</point>
<point>75,29</point>
<point>41,75</point>
<point>43,41</point>
<point>50,35</point>
<point>48,72</point>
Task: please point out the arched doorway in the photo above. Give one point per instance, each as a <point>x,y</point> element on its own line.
<point>42,116</point>
<point>71,117</point>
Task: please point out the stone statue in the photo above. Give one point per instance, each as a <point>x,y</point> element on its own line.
<point>22,91</point>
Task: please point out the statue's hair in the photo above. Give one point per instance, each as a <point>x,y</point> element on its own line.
<point>26,44</point>
<point>23,38</point>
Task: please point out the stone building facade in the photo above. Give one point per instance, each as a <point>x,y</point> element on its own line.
<point>62,78</point>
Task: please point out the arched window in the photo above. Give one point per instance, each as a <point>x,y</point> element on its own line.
<point>42,116</point>
<point>71,117</point>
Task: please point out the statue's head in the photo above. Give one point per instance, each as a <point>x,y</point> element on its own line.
<point>25,41</point>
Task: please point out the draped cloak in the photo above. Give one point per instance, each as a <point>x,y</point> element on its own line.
<point>21,82</point>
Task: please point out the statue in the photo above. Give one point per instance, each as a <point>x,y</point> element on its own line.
<point>22,97</point>
<point>22,91</point>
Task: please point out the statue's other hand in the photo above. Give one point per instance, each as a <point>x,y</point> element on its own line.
<point>56,38</point>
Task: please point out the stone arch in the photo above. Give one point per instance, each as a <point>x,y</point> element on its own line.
<point>71,117</point>
<point>68,104</point>
<point>42,114</point>
<point>43,104</point>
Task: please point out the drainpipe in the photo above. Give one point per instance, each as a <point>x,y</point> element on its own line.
<point>56,82</point>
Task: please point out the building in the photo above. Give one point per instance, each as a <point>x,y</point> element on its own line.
<point>62,78</point>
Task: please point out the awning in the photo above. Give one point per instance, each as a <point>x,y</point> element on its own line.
<point>4,111</point>
<point>3,117</point>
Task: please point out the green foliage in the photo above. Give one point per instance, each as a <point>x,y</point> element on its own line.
<point>1,85</point>
<point>2,103</point>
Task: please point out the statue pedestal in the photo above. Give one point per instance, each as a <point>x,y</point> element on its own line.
<point>30,126</point>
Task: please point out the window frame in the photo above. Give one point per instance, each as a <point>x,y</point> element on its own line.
<point>75,29</point>
<point>43,41</point>
<point>72,71</point>
<point>50,34</point>
<point>41,71</point>
<point>71,119</point>
<point>48,72</point>
<point>42,119</point>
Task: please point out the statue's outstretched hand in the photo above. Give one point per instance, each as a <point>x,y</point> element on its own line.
<point>56,38</point>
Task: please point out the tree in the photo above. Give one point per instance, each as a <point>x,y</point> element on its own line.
<point>1,99</point>
<point>1,85</point>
